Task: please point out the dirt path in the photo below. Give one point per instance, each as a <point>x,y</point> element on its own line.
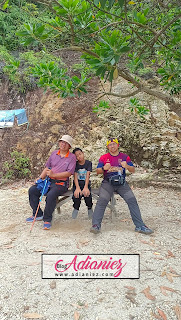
<point>25,295</point>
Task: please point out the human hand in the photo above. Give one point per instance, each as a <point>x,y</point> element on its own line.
<point>77,193</point>
<point>124,164</point>
<point>37,179</point>
<point>86,192</point>
<point>50,173</point>
<point>114,169</point>
<point>107,166</point>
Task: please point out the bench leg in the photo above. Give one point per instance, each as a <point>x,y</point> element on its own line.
<point>58,210</point>
<point>113,207</point>
<point>63,200</point>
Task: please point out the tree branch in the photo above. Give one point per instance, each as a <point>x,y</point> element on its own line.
<point>166,27</point>
<point>72,30</point>
<point>158,94</point>
<point>144,41</point>
<point>84,50</point>
<point>123,22</point>
<point>119,95</point>
<point>157,35</point>
<point>138,84</point>
<point>142,26</point>
<point>99,9</point>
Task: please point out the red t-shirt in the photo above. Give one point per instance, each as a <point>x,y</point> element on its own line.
<point>114,162</point>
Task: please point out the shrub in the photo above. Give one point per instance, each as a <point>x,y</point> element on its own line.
<point>17,167</point>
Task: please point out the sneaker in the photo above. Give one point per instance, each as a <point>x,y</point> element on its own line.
<point>31,219</point>
<point>90,213</point>
<point>74,213</point>
<point>144,229</point>
<point>95,229</point>
<point>47,225</point>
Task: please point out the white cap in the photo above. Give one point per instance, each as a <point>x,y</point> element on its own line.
<point>67,139</point>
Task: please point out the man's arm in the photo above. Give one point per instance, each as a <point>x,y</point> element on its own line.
<point>128,167</point>
<point>43,174</point>
<point>101,170</point>
<point>58,176</point>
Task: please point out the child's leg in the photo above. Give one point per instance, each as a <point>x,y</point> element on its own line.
<point>88,201</point>
<point>89,204</point>
<point>76,205</point>
<point>76,202</point>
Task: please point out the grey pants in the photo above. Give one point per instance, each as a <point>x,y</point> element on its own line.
<point>105,194</point>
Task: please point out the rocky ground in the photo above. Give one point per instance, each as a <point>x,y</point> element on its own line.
<point>156,295</point>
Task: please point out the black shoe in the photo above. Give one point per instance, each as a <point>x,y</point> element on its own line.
<point>144,229</point>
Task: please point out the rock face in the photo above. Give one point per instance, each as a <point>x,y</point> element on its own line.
<point>152,143</point>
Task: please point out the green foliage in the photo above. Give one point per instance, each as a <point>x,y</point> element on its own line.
<point>5,5</point>
<point>34,34</point>
<point>137,108</point>
<point>12,68</point>
<point>70,7</point>
<point>145,71</point>
<point>116,36</point>
<point>31,58</point>
<point>83,68</point>
<point>51,76</point>
<point>18,167</point>
<point>19,71</point>
<point>110,3</point>
<point>10,21</point>
<point>5,55</point>
<point>103,106</point>
<point>111,47</point>
<point>171,77</point>
<point>8,171</point>
<point>140,17</point>
<point>134,62</point>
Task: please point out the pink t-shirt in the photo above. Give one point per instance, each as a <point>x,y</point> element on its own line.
<point>60,164</point>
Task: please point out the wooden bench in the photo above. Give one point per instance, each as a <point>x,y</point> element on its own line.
<point>95,194</point>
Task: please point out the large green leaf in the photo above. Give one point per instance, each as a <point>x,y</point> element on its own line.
<point>5,5</point>
<point>125,49</point>
<point>121,2</point>
<point>111,2</point>
<point>102,2</point>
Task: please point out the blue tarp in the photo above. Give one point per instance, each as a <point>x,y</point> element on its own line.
<point>7,117</point>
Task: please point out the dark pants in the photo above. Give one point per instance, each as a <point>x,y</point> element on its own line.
<point>77,201</point>
<point>105,194</point>
<point>53,193</point>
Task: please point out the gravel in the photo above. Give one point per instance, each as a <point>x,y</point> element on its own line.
<point>25,295</point>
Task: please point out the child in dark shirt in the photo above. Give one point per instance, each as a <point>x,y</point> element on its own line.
<point>82,184</point>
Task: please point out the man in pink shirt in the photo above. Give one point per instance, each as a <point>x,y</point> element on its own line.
<point>59,167</point>
<point>113,166</point>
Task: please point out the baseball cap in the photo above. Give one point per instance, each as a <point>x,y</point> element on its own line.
<point>67,139</point>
